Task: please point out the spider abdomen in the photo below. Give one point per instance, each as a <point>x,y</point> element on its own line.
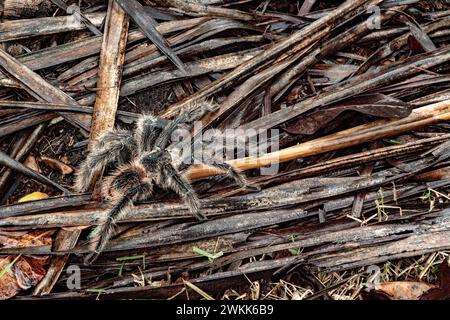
<point>124,178</point>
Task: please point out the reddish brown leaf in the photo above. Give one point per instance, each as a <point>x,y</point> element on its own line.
<point>32,164</point>
<point>25,272</point>
<point>57,165</point>
<point>378,105</point>
<point>403,290</point>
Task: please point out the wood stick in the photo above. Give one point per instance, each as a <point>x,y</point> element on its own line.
<point>24,147</point>
<point>85,47</point>
<point>352,87</point>
<point>420,117</point>
<point>194,68</point>
<point>25,28</point>
<point>203,9</point>
<point>148,26</point>
<point>22,9</point>
<point>65,239</point>
<point>8,162</point>
<point>110,71</point>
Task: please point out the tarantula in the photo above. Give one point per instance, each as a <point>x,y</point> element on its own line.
<point>141,161</point>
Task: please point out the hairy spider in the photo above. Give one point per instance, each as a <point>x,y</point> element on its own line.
<point>141,161</point>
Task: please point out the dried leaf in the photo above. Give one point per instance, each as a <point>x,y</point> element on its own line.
<point>19,273</point>
<point>10,239</point>
<point>23,274</point>
<point>419,39</point>
<point>33,196</point>
<point>32,164</point>
<point>57,165</point>
<point>403,290</point>
<point>378,105</point>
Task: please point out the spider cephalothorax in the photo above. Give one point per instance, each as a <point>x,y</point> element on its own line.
<point>142,161</point>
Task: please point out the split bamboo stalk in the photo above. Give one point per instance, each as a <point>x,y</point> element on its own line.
<point>420,117</point>
<point>112,57</point>
<point>205,9</point>
<point>110,71</point>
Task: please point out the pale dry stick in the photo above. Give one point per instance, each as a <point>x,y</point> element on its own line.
<point>301,39</point>
<point>205,9</point>
<point>66,239</point>
<point>420,117</point>
<point>112,57</point>
<point>110,72</point>
<point>25,28</point>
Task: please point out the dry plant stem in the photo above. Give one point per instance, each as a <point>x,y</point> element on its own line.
<point>291,67</point>
<point>371,244</point>
<point>195,68</point>
<point>396,44</point>
<point>304,192</point>
<point>307,35</point>
<point>29,207</point>
<point>420,117</point>
<point>110,71</point>
<point>12,164</point>
<point>148,26</point>
<point>150,58</point>
<point>24,28</point>
<point>112,56</point>
<point>81,48</point>
<point>41,89</point>
<point>65,239</point>
<point>88,67</point>
<point>285,81</point>
<point>351,160</point>
<point>203,9</point>
<point>123,115</point>
<point>25,120</point>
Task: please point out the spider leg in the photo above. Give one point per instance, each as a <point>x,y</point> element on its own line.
<point>103,233</point>
<point>163,139</point>
<point>113,146</point>
<point>148,127</point>
<point>196,112</point>
<point>235,174</point>
<point>200,108</point>
<point>183,188</point>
